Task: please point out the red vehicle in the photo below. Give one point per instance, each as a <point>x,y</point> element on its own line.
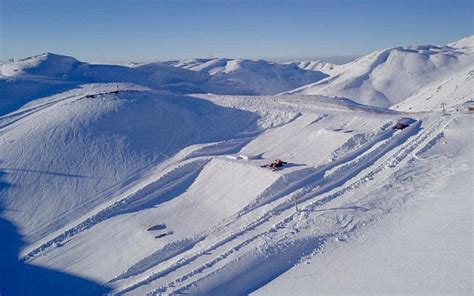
<point>275,165</point>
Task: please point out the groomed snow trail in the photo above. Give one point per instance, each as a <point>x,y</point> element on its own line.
<point>386,156</point>
<point>402,155</point>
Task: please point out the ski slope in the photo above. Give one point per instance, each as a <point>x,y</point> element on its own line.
<point>135,185</point>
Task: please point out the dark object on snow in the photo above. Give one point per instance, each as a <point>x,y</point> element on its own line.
<point>400,126</point>
<point>164,234</point>
<point>274,165</point>
<point>157,227</point>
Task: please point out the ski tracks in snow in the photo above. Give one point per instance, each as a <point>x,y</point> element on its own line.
<point>389,150</point>
<point>180,169</point>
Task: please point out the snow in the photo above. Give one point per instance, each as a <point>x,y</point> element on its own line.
<point>385,78</point>
<point>132,126</point>
<point>48,74</point>
<point>46,64</point>
<point>251,77</point>
<point>451,92</point>
<point>463,43</point>
<point>318,65</point>
<point>421,249</point>
<point>148,179</point>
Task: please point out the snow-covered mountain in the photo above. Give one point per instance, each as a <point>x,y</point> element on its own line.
<point>241,76</point>
<point>44,74</point>
<point>136,128</point>
<point>120,180</point>
<point>388,77</point>
<point>48,65</point>
<point>318,65</point>
<point>466,42</point>
<point>448,92</point>
<point>48,73</point>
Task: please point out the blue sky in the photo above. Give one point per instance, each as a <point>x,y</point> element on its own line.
<point>124,30</point>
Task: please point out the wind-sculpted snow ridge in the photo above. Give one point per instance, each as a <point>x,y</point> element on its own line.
<point>385,78</point>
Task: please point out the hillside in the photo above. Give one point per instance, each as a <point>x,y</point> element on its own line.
<point>239,76</point>
<point>132,126</point>
<point>388,77</point>
<point>157,179</point>
<point>318,65</point>
<point>46,74</point>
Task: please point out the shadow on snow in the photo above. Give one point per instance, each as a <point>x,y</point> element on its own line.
<point>19,278</point>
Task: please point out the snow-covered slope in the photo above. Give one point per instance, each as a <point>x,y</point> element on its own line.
<point>48,73</point>
<point>49,65</point>
<point>450,92</point>
<point>318,65</point>
<point>239,76</point>
<point>385,78</point>
<point>88,145</point>
<point>194,64</point>
<point>134,188</point>
<point>467,42</point>
<point>157,192</point>
<point>424,247</point>
<point>261,77</point>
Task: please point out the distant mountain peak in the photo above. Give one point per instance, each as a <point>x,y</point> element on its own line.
<point>463,43</point>
<point>387,77</point>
